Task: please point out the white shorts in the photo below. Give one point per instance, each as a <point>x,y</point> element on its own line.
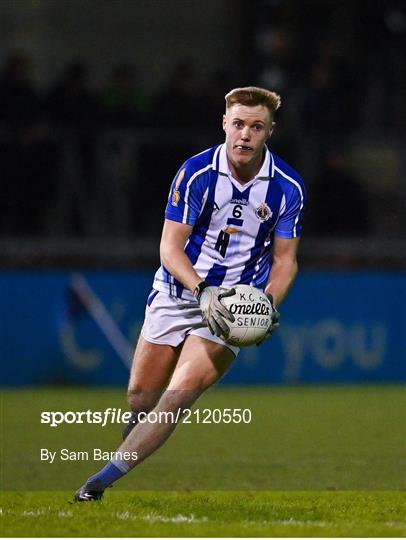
<point>168,320</point>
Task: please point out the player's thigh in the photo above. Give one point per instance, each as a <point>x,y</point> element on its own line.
<point>151,371</point>
<point>201,364</point>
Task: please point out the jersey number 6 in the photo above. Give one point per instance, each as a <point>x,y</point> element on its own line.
<point>224,237</point>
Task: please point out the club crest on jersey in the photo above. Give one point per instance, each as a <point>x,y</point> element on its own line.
<point>175,197</point>
<point>263,212</point>
<point>176,193</point>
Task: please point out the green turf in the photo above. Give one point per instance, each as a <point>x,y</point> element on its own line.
<point>341,438</point>
<point>218,513</point>
<point>314,461</point>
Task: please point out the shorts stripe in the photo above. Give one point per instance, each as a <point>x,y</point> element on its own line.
<point>151,297</point>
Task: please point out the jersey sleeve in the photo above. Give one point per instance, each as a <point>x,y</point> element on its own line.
<point>290,222</point>
<point>185,197</point>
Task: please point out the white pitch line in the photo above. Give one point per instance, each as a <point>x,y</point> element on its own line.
<point>156,518</point>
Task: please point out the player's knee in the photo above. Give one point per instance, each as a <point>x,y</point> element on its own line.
<point>141,400</point>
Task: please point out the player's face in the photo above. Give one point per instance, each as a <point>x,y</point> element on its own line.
<point>247,129</point>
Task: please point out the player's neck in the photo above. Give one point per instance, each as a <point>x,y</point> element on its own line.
<point>244,174</point>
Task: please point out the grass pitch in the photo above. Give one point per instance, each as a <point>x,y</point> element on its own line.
<point>229,514</point>
<point>314,461</point>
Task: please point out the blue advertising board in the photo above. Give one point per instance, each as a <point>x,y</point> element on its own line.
<point>335,327</point>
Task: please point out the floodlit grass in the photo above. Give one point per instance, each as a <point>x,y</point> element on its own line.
<point>314,461</point>
<point>205,514</point>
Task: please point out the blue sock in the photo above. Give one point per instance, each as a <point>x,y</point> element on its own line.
<point>115,469</point>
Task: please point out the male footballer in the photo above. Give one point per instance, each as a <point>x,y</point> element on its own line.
<point>232,209</point>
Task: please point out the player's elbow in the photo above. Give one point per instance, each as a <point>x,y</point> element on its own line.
<point>293,269</point>
<point>167,253</point>
<point>286,262</point>
<point>164,252</point>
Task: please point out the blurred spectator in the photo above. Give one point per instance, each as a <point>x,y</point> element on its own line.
<point>384,57</point>
<point>74,113</point>
<point>180,103</point>
<point>20,104</point>
<point>122,99</point>
<point>329,108</point>
<point>330,102</point>
<point>275,62</point>
<point>71,103</point>
<point>27,156</point>
<point>338,205</point>
<point>217,86</point>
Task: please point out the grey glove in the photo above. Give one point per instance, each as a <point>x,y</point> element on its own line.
<point>214,312</point>
<point>275,316</point>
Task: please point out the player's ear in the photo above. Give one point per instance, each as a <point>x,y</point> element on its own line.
<point>271,129</point>
<point>224,122</point>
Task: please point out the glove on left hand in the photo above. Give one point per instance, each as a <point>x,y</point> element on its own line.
<point>275,316</point>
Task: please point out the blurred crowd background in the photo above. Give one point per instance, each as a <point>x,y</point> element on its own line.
<point>102,101</point>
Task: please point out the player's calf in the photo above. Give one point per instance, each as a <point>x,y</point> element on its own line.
<point>131,424</point>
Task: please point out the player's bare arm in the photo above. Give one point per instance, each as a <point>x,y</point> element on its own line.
<point>173,257</point>
<point>284,269</point>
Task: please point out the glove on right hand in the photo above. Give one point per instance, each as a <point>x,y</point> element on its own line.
<point>214,312</point>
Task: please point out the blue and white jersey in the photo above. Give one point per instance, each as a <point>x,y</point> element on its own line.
<point>233,224</point>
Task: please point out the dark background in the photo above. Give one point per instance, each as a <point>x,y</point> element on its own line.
<point>101,101</point>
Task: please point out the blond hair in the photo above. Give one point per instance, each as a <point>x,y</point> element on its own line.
<point>252,96</point>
